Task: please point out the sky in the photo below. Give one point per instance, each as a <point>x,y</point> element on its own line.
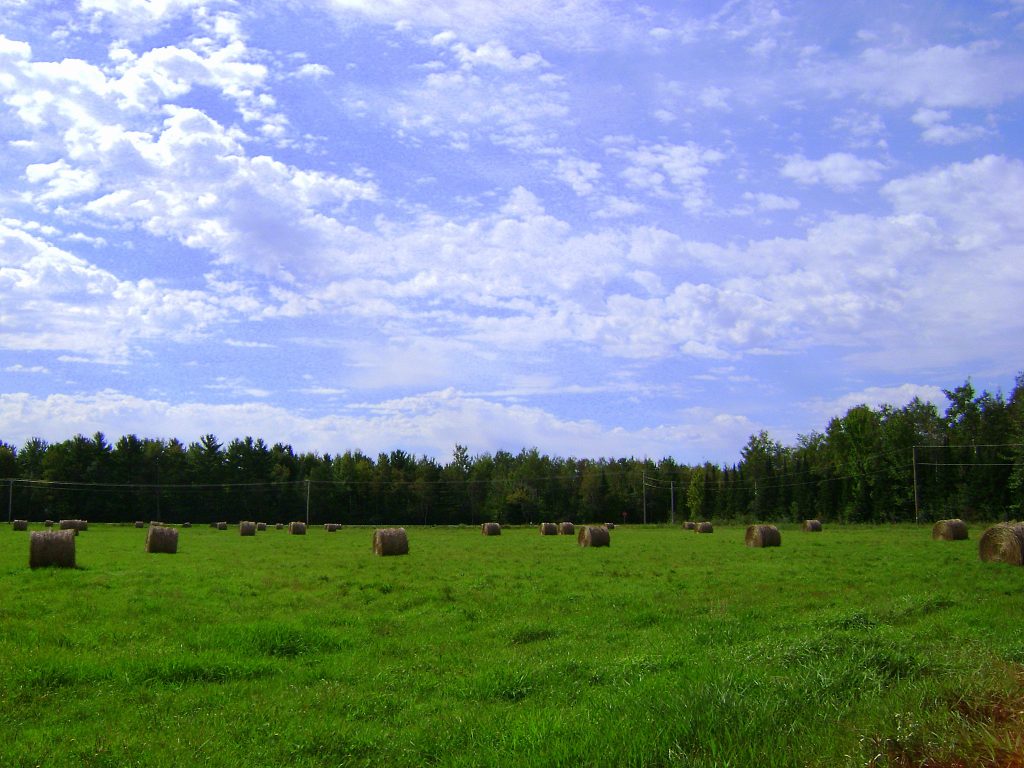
<point>602,229</point>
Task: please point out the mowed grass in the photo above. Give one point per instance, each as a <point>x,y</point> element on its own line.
<point>857,646</point>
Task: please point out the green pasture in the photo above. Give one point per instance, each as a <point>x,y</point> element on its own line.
<point>857,646</point>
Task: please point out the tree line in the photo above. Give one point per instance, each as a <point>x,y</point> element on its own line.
<point>884,464</point>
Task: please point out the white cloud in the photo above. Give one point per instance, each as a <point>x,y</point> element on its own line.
<point>53,300</point>
<point>939,77</point>
<point>936,129</point>
<point>766,201</point>
<point>875,397</point>
<point>670,170</point>
<point>840,170</point>
<point>419,424</point>
<point>579,174</point>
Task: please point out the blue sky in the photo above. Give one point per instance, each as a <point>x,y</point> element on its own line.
<point>600,229</point>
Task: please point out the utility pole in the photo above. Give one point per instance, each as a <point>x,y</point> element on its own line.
<point>917,509</point>
<point>672,496</point>
<point>644,476</point>
<point>10,501</point>
<point>307,503</point>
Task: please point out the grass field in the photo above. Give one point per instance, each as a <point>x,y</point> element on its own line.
<point>857,646</point>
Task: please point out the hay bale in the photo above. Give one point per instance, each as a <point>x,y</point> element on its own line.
<point>247,528</point>
<point>703,527</point>
<point>19,525</point>
<point>297,528</point>
<point>278,526</point>
<point>490,529</point>
<point>222,525</point>
<point>949,530</point>
<point>548,529</point>
<point>390,541</point>
<point>812,526</point>
<point>610,526</point>
<point>186,525</point>
<point>261,526</point>
<point>52,548</point>
<point>48,523</point>
<point>1002,543</point>
<point>332,527</point>
<point>763,536</point>
<point>162,539</point>
<point>593,536</point>
<point>74,525</point>
<point>566,529</point>
<point>689,525</point>
<point>139,524</point>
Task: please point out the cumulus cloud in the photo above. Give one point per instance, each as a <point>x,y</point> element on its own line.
<point>841,171</point>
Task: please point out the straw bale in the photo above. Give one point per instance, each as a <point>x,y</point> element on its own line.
<point>247,528</point>
<point>1003,543</point>
<point>390,541</point>
<point>52,548</point>
<point>162,539</point>
<point>222,525</point>
<point>763,536</point>
<point>278,526</point>
<point>949,530</point>
<point>548,529</point>
<point>19,525</point>
<point>297,528</point>
<point>566,528</point>
<point>48,523</point>
<point>73,525</point>
<point>610,526</point>
<point>490,529</point>
<point>703,527</point>
<point>332,527</point>
<point>593,536</point>
<point>186,525</point>
<point>139,524</point>
<point>261,526</point>
<point>689,525</point>
<point>812,526</point>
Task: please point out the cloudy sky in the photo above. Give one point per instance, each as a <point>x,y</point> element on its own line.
<point>597,228</point>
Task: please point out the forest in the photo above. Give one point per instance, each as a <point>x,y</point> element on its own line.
<point>874,465</point>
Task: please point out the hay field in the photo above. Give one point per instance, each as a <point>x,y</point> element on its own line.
<point>857,646</point>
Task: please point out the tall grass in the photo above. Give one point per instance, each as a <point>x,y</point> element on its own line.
<point>859,646</point>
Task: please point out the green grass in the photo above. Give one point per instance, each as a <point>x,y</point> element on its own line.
<point>858,646</point>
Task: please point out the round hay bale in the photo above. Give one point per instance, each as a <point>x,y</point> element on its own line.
<point>593,536</point>
<point>162,539</point>
<point>48,523</point>
<point>73,525</point>
<point>278,526</point>
<point>689,525</point>
<point>52,548</point>
<point>297,528</point>
<point>19,525</point>
<point>566,528</point>
<point>610,526</point>
<point>703,527</point>
<point>247,528</point>
<point>390,541</point>
<point>332,527</point>
<point>548,529</point>
<point>186,525</point>
<point>763,536</point>
<point>490,529</point>
<point>949,530</point>
<point>812,526</point>
<point>222,525</point>
<point>261,526</point>
<point>1002,543</point>
<point>139,524</point>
